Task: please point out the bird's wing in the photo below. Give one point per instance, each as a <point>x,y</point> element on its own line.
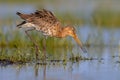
<point>42,18</point>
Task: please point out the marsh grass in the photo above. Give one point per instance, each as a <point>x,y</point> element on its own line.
<point>106,18</point>
<point>19,48</point>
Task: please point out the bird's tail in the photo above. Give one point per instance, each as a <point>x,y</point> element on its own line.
<point>18,13</point>
<point>23,16</point>
<point>20,25</point>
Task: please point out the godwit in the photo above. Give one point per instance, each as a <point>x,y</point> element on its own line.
<point>45,22</point>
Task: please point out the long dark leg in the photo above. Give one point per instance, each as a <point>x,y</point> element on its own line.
<point>36,46</point>
<point>44,46</point>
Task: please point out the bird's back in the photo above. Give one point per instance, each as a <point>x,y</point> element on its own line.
<point>44,21</point>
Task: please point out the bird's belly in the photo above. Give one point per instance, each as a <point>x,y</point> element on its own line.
<point>47,31</point>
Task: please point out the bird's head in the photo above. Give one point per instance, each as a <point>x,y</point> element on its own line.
<point>70,31</point>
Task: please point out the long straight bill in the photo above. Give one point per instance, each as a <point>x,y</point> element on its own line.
<point>80,43</point>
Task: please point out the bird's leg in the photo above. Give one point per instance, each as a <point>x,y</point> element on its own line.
<point>36,46</point>
<point>44,46</point>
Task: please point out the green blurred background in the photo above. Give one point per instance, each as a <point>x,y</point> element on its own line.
<point>96,12</point>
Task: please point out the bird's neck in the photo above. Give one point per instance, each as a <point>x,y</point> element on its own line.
<point>62,33</point>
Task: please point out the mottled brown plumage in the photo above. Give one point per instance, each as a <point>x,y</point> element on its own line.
<point>48,24</point>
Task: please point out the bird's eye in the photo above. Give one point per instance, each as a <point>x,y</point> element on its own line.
<point>73,28</point>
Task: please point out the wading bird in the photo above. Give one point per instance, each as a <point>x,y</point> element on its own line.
<point>45,22</point>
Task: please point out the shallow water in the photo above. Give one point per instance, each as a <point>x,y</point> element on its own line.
<point>101,43</point>
<point>106,67</point>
